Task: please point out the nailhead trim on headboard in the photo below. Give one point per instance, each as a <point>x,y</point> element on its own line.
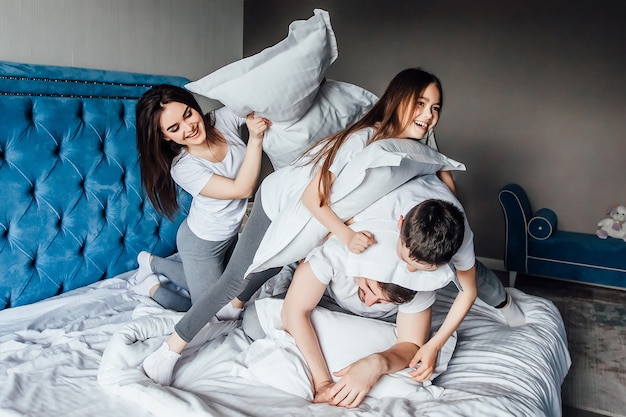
<point>56,80</point>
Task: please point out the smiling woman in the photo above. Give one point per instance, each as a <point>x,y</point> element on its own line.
<point>205,156</point>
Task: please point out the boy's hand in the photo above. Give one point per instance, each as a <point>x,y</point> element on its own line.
<point>424,362</point>
<point>257,125</point>
<point>359,241</point>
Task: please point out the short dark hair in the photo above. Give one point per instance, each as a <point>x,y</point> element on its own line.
<point>433,231</point>
<point>395,293</point>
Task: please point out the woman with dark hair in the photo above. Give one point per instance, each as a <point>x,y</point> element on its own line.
<point>408,109</point>
<point>205,155</point>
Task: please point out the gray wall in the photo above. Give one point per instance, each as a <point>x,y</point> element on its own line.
<point>188,38</point>
<point>534,92</point>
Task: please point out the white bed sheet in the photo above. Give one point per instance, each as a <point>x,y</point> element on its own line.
<point>51,352</point>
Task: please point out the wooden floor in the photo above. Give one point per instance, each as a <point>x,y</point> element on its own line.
<point>553,289</point>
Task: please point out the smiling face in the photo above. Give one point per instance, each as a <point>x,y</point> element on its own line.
<point>423,115</point>
<point>182,124</point>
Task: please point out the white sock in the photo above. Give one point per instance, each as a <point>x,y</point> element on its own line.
<point>159,365</point>
<point>512,313</point>
<point>229,312</point>
<point>144,270</point>
<point>144,287</point>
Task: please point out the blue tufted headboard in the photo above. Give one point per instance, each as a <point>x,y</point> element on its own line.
<point>72,210</point>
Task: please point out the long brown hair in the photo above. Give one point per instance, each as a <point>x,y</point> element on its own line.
<point>387,117</point>
<point>155,153</point>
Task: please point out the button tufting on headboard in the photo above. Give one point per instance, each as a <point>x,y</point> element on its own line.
<point>72,210</point>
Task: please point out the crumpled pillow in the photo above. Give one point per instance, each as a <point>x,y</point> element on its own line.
<point>344,338</point>
<point>373,172</point>
<point>336,106</point>
<point>280,82</point>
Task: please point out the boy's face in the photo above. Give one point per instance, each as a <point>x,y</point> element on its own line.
<point>370,292</point>
<point>404,254</point>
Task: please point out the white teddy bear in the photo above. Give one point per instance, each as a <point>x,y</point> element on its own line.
<point>615,225</point>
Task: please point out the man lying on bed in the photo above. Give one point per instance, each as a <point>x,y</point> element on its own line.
<point>375,284</point>
<point>434,233</point>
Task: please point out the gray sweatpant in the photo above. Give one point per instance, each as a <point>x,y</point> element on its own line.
<point>489,287</point>
<point>201,261</point>
<point>231,282</point>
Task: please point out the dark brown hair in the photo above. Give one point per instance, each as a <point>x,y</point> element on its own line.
<point>395,293</point>
<point>433,231</point>
<point>155,153</point>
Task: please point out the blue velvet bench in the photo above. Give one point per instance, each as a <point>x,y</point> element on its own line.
<point>534,246</point>
<point>72,209</point>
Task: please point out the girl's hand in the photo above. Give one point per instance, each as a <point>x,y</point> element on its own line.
<point>323,393</point>
<point>257,125</point>
<point>359,241</point>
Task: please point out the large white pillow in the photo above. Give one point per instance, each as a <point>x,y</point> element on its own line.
<point>378,169</point>
<point>336,106</point>
<point>383,166</point>
<point>280,82</point>
<point>344,338</point>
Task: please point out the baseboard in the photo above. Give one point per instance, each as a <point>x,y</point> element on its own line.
<point>493,264</point>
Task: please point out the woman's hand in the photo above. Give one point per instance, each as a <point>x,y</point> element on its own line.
<point>359,241</point>
<point>257,125</point>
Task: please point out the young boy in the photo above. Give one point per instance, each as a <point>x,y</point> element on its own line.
<point>375,284</point>
<point>474,278</point>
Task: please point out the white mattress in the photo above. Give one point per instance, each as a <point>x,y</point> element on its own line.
<point>51,353</point>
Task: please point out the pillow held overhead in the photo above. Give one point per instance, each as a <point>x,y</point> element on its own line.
<point>336,106</point>
<point>280,82</point>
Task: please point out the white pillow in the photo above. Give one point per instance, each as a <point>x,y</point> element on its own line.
<point>378,169</point>
<point>336,106</point>
<point>383,166</point>
<point>344,338</point>
<point>280,82</point>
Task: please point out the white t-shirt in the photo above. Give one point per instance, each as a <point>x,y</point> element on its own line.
<point>287,184</point>
<point>399,201</point>
<point>211,218</point>
<point>335,266</point>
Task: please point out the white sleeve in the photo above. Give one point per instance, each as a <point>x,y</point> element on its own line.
<point>228,119</point>
<point>354,144</point>
<point>191,175</point>
<point>421,301</point>
<point>326,261</point>
<point>465,257</point>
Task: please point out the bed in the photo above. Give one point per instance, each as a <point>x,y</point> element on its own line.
<point>52,353</point>
<point>73,217</point>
